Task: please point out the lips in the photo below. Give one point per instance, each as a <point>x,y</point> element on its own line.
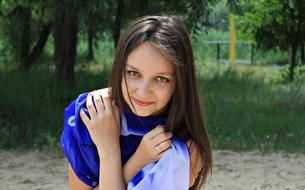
<point>142,103</point>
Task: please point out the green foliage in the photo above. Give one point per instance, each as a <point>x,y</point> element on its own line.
<point>274,23</point>
<point>194,13</point>
<point>244,113</point>
<point>244,110</point>
<point>219,18</point>
<point>104,50</point>
<point>96,15</point>
<point>206,53</point>
<point>32,104</point>
<point>17,18</point>
<point>299,74</point>
<point>21,17</point>
<point>246,107</point>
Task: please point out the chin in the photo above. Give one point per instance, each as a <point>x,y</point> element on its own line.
<point>142,113</point>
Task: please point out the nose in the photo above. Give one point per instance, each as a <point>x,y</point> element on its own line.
<point>144,89</point>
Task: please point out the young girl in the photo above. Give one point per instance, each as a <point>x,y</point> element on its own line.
<point>145,131</point>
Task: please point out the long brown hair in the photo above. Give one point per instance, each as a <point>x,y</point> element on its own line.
<point>185,118</point>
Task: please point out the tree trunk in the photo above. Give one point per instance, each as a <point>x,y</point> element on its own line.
<point>65,42</point>
<point>117,22</point>
<point>303,54</point>
<point>25,38</point>
<point>41,42</point>
<point>292,61</point>
<point>58,37</point>
<point>90,55</point>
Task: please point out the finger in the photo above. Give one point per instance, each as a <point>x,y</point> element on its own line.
<point>107,104</point>
<point>155,132</point>
<point>84,117</point>
<point>116,111</point>
<point>158,150</point>
<point>162,137</point>
<point>162,153</point>
<point>165,144</point>
<point>90,106</point>
<point>104,92</point>
<point>98,104</point>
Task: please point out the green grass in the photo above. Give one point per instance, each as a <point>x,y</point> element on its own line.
<point>32,104</point>
<point>244,112</point>
<point>246,107</point>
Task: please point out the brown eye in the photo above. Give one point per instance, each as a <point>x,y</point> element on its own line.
<point>133,73</point>
<point>162,79</point>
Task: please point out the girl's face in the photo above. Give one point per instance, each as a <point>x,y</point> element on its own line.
<point>150,80</point>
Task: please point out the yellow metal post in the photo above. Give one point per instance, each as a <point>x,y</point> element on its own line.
<point>232,40</point>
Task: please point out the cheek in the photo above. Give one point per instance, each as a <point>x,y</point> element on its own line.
<point>165,93</point>
<point>128,82</point>
<point>129,89</point>
<point>132,84</point>
<point>124,90</point>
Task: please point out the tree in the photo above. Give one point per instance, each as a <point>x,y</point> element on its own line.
<point>194,13</point>
<point>26,24</point>
<point>95,18</point>
<point>276,23</point>
<point>303,53</point>
<point>117,14</point>
<point>21,29</point>
<point>65,42</point>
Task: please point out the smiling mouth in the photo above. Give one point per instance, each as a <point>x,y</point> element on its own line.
<point>141,103</point>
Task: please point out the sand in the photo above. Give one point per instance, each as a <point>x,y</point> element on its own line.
<point>253,170</point>
<point>232,171</point>
<point>32,171</point>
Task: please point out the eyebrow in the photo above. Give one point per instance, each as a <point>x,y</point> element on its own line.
<point>161,73</point>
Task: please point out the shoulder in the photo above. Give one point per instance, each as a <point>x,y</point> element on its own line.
<point>195,161</point>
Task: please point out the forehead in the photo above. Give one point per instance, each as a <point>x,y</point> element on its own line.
<point>148,58</point>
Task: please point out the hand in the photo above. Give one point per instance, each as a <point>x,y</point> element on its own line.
<point>103,124</point>
<point>154,145</point>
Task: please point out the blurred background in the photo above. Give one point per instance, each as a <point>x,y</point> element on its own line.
<point>249,56</point>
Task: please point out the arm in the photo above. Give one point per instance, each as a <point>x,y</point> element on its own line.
<point>103,127</point>
<point>74,182</point>
<point>195,162</point>
<point>147,152</point>
<point>111,175</point>
<point>132,167</point>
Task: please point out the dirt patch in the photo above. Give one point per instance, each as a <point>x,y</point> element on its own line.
<point>232,171</point>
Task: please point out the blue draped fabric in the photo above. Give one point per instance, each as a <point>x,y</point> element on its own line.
<point>171,172</point>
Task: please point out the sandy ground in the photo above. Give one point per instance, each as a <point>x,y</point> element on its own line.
<point>232,171</point>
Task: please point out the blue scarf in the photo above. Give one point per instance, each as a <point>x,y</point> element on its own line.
<point>171,172</point>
